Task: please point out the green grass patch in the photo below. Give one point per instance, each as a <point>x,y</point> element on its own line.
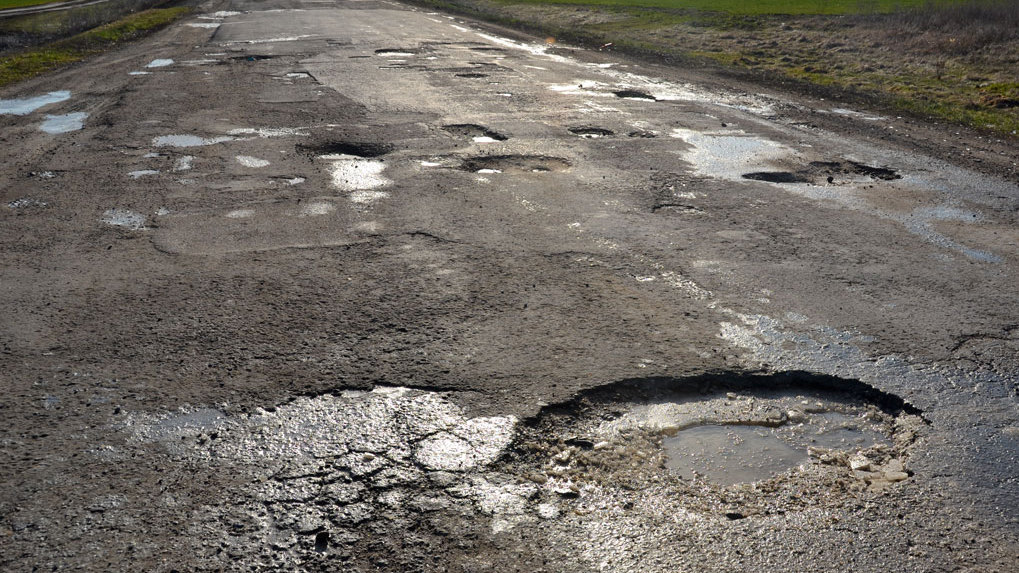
<point>49,57</point>
<point>5,4</point>
<point>752,7</point>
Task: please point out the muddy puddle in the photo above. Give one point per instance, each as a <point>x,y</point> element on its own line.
<point>721,433</point>
<point>728,454</point>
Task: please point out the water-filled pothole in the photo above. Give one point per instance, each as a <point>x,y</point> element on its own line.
<point>518,163</point>
<point>474,131</point>
<point>354,148</point>
<point>591,132</point>
<point>790,430</point>
<point>728,454</point>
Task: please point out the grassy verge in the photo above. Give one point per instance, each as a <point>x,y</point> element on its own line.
<point>5,4</point>
<point>45,58</point>
<point>953,60</point>
<point>751,7</point>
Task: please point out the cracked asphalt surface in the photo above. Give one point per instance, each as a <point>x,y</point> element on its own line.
<point>349,285</point>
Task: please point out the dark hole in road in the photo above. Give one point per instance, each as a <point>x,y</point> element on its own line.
<point>355,148</point>
<point>642,134</point>
<point>487,49</point>
<point>473,130</point>
<point>677,208</point>
<point>882,173</point>
<point>322,541</point>
<point>723,429</point>
<point>776,177</point>
<point>519,163</point>
<point>471,75</point>
<point>830,172</point>
<point>397,51</point>
<point>253,57</point>
<point>635,94</point>
<point>591,131</point>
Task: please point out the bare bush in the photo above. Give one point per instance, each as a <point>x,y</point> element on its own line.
<point>959,28</point>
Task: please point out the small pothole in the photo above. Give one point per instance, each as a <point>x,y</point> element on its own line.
<point>473,130</point>
<point>322,541</point>
<point>474,75</point>
<point>827,172</point>
<point>776,177</point>
<point>518,163</point>
<point>635,94</point>
<point>591,132</point>
<point>253,57</point>
<point>355,148</point>
<point>398,51</point>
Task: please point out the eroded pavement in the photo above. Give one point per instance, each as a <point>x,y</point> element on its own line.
<point>354,286</point>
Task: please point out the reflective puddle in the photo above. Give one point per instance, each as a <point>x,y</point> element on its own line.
<point>188,140</point>
<point>64,123</point>
<point>730,154</point>
<point>728,455</point>
<point>25,106</point>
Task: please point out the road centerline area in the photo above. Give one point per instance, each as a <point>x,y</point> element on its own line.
<point>354,286</point>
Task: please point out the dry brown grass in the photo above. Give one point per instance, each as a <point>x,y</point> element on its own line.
<point>957,29</point>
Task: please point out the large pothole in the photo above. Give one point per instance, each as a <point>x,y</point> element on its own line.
<point>326,477</point>
<point>788,432</point>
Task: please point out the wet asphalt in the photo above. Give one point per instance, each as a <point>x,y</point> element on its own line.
<point>351,286</point>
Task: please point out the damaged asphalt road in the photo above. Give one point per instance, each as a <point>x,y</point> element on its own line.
<point>351,286</point>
